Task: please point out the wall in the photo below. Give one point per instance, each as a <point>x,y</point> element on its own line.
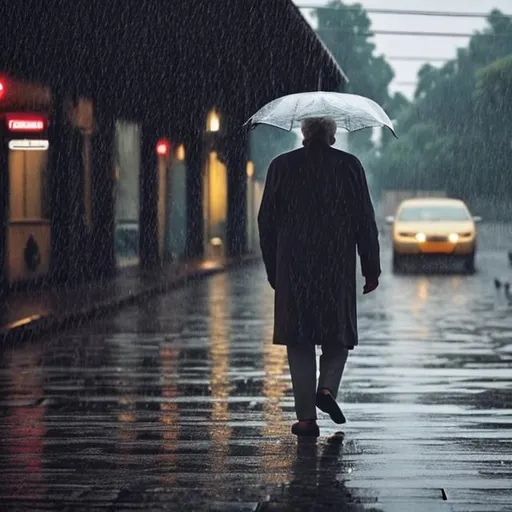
<point>127,195</point>
<point>258,188</point>
<point>176,225</point>
<point>215,206</point>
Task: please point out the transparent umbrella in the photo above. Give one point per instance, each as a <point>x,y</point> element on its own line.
<point>350,111</point>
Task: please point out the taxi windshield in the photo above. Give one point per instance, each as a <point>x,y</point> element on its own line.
<point>436,213</point>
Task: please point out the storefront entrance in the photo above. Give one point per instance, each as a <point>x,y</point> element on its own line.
<point>25,234</point>
<point>28,226</point>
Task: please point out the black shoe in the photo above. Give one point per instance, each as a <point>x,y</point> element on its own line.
<point>327,403</point>
<point>309,431</point>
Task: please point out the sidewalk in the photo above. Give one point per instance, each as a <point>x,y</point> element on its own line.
<point>32,313</point>
<point>180,402</point>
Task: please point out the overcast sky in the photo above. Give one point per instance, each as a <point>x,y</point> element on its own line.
<point>420,46</point>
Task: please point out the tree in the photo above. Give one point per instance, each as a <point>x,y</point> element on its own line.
<point>397,104</point>
<point>344,30</point>
<point>427,78</point>
<point>494,85</point>
<point>456,134</point>
<point>494,110</point>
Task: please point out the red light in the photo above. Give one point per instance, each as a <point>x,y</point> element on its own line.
<point>163,147</point>
<point>2,89</point>
<point>25,123</point>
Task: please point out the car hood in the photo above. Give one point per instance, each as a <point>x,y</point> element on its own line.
<point>435,228</point>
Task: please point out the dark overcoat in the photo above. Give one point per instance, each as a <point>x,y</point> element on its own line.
<point>315,212</point>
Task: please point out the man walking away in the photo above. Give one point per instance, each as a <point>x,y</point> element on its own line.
<point>315,212</point>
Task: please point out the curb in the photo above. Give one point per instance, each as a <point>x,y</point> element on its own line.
<point>39,325</point>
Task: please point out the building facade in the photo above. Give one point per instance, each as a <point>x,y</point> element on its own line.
<point>122,139</point>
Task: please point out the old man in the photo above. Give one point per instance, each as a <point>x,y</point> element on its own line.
<point>315,212</point>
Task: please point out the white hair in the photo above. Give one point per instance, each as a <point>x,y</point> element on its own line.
<point>318,128</point>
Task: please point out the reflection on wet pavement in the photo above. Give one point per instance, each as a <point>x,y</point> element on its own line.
<point>182,403</point>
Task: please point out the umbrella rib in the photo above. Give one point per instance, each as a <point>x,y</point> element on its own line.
<point>350,111</point>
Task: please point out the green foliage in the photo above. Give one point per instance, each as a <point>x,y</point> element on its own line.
<point>343,29</point>
<point>457,134</point>
<point>494,86</point>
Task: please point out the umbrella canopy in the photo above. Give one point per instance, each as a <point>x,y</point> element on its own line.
<point>350,111</point>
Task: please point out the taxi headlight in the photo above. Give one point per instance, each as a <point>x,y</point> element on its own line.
<point>421,237</point>
<point>454,238</point>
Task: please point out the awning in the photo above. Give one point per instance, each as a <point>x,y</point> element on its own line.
<point>167,62</point>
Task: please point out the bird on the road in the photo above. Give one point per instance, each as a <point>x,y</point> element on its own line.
<point>508,294</point>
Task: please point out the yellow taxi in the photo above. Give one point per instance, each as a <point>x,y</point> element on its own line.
<point>434,226</point>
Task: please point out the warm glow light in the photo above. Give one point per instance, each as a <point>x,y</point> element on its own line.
<point>454,238</point>
<point>423,289</point>
<point>209,264</point>
<point>213,124</point>
<point>25,123</point>
<point>163,147</point>
<point>421,237</point>
<point>250,169</point>
<point>216,192</point>
<point>28,145</point>
<point>2,89</point>
<point>180,152</point>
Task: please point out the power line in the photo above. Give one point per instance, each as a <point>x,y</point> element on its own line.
<point>449,14</point>
<point>408,33</point>
<point>419,59</point>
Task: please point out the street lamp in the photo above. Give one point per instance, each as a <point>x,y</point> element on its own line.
<point>180,152</point>
<point>250,169</point>
<point>213,121</point>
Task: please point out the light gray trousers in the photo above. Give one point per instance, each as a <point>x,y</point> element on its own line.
<point>302,362</point>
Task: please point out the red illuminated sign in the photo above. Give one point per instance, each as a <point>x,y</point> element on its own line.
<point>25,123</point>
<point>2,89</point>
<point>163,147</point>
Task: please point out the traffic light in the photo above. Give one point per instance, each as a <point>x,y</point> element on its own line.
<point>163,147</point>
<point>2,88</point>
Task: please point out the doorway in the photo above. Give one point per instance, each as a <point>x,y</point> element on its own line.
<point>28,226</point>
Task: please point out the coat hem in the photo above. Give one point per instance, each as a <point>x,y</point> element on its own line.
<point>285,344</point>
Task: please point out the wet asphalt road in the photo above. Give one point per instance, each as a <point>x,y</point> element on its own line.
<point>182,403</point>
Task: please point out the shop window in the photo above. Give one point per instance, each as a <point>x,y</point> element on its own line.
<point>176,206</point>
<point>27,185</point>
<point>127,171</point>
<point>215,205</point>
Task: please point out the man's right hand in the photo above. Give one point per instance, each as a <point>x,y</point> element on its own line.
<point>371,284</point>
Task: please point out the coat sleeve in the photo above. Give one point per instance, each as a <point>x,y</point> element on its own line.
<point>367,237</point>
<point>267,225</point>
